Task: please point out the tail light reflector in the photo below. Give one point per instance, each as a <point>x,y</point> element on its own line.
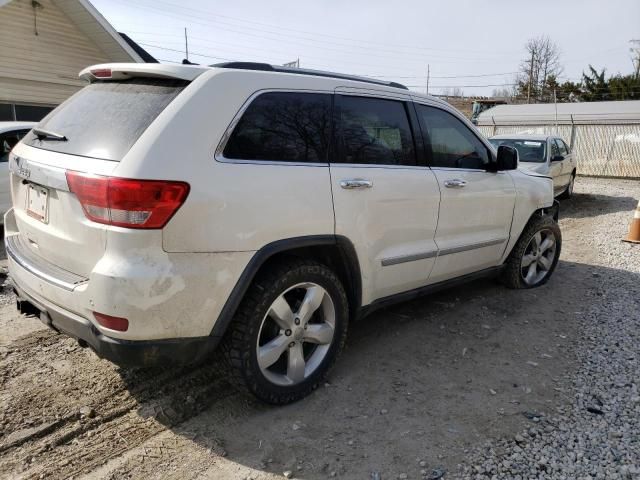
<point>101,72</point>
<point>112,323</point>
<point>124,202</point>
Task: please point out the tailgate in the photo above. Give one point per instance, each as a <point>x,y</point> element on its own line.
<point>49,218</point>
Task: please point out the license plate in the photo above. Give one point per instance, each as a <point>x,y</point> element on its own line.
<point>38,202</point>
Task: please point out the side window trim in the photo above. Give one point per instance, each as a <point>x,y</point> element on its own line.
<point>218,155</point>
<point>427,144</point>
<point>374,95</point>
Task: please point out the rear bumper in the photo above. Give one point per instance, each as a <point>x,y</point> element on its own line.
<point>176,351</point>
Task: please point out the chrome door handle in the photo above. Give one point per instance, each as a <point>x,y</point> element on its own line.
<point>354,183</point>
<point>455,183</point>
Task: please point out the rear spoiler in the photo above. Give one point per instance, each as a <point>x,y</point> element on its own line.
<point>123,71</point>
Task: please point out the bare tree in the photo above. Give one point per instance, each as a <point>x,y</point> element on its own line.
<point>457,92</point>
<point>635,56</point>
<point>508,91</point>
<point>542,62</point>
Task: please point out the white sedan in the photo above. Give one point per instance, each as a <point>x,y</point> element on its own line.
<point>545,154</point>
<point>10,135</point>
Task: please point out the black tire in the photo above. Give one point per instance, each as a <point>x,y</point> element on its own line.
<point>512,274</point>
<point>568,193</point>
<point>244,334</point>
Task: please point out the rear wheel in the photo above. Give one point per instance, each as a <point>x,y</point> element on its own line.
<point>535,255</point>
<point>288,331</point>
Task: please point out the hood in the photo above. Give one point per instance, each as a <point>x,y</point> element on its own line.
<point>534,168</point>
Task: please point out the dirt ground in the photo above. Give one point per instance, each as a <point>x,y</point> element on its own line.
<point>418,385</point>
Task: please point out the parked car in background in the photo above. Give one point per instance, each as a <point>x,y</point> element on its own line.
<point>10,135</point>
<point>544,154</point>
<point>151,226</point>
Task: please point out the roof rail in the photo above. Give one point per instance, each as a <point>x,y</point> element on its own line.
<point>265,67</point>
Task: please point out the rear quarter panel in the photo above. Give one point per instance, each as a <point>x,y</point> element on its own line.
<point>232,206</point>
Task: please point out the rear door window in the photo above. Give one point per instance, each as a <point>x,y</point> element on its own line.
<point>105,119</point>
<point>373,131</point>
<point>283,127</point>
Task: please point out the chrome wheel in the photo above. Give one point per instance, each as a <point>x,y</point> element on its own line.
<point>296,334</point>
<point>570,186</point>
<point>538,257</point>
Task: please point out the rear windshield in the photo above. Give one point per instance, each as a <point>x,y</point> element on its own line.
<point>104,119</point>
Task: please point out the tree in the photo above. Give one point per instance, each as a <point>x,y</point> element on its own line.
<point>504,92</point>
<point>635,56</point>
<point>541,63</point>
<point>594,86</point>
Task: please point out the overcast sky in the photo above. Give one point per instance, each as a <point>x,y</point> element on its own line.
<point>475,42</point>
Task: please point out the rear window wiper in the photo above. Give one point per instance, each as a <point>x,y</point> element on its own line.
<point>43,134</point>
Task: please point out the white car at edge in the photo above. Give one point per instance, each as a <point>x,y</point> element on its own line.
<point>544,154</point>
<point>164,209</point>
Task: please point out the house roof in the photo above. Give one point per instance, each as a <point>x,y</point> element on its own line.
<point>545,113</point>
<point>91,22</point>
<point>146,56</point>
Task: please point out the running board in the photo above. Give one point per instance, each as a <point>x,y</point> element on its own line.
<point>426,290</point>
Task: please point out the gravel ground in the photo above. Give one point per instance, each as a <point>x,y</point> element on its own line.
<point>474,382</point>
<point>597,436</point>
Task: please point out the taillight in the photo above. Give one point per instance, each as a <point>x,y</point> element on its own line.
<point>101,72</point>
<point>113,323</point>
<point>125,202</point>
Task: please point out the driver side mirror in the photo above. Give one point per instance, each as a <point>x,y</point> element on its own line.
<point>507,158</point>
<point>557,158</point>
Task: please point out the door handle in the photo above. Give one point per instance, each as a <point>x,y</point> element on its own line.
<point>356,183</point>
<point>455,183</point>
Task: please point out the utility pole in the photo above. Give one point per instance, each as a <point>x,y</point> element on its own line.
<point>555,102</point>
<point>530,77</point>
<point>186,44</point>
<point>428,78</point>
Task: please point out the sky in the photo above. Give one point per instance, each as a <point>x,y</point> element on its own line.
<point>476,45</point>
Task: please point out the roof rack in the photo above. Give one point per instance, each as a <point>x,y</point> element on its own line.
<point>265,67</point>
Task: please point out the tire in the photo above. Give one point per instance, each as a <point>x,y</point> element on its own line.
<point>277,327</point>
<point>525,257</point>
<point>568,193</point>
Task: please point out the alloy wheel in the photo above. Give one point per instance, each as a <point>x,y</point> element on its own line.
<point>296,334</point>
<point>538,257</point>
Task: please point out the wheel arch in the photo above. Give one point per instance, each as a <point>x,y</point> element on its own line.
<point>335,251</point>
<point>552,211</point>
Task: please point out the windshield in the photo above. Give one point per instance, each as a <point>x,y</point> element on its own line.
<point>104,119</point>
<point>528,150</point>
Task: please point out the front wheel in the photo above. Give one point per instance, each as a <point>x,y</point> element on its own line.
<point>288,331</point>
<point>568,193</point>
<point>535,255</point>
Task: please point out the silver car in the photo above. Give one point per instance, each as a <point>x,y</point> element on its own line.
<point>545,154</point>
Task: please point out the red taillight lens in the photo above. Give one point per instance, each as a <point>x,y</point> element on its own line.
<point>125,202</point>
<point>101,72</point>
<point>113,323</point>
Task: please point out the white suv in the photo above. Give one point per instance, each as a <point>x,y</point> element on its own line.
<point>165,208</point>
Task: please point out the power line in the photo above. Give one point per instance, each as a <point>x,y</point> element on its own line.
<point>279,28</point>
<point>216,42</point>
<point>277,36</point>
